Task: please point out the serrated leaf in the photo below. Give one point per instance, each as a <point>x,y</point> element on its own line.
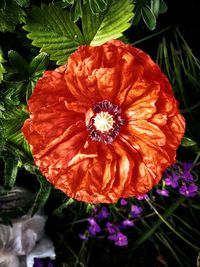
<point>52,30</point>
<point>23,3</point>
<point>148,17</point>
<point>18,63</point>
<point>55,33</point>
<point>11,169</point>
<point>187,142</point>
<point>10,16</point>
<point>38,64</point>
<point>98,6</point>
<point>43,193</point>
<point>100,28</point>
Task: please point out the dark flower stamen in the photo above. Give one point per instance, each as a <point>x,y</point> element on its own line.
<point>104,126</point>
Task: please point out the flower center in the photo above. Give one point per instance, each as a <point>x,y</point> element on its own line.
<point>103,121</point>
<point>104,126</point>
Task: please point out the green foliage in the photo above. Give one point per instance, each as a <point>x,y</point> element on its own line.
<point>21,77</point>
<point>2,69</point>
<point>55,33</point>
<point>10,15</point>
<point>148,10</point>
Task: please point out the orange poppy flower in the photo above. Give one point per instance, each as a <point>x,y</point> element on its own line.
<point>104,126</point>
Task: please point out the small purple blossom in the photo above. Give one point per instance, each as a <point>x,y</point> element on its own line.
<point>141,197</point>
<point>94,227</point>
<point>127,223</point>
<point>187,166</point>
<point>83,237</point>
<point>188,191</point>
<point>136,211</point>
<point>103,213</point>
<point>162,192</point>
<point>119,239</point>
<point>111,228</point>
<point>123,202</point>
<point>172,180</point>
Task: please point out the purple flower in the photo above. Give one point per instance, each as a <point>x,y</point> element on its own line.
<point>111,228</point>
<point>136,211</point>
<point>162,192</point>
<point>103,213</point>
<point>83,237</point>
<point>94,228</point>
<point>119,239</point>
<point>188,191</point>
<point>142,197</point>
<point>40,263</point>
<point>187,166</point>
<point>172,180</point>
<point>186,175</point>
<point>126,223</point>
<point>123,202</point>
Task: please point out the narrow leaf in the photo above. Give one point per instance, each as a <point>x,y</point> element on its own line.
<point>43,193</point>
<point>76,11</point>
<point>11,169</point>
<point>163,6</point>
<point>155,7</point>
<point>2,69</point>
<point>187,142</point>
<point>23,3</point>
<point>148,17</point>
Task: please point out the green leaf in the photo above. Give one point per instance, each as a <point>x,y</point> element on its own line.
<point>100,28</point>
<point>98,6</point>
<point>55,33</point>
<point>10,16</point>
<point>18,63</point>
<point>137,16</point>
<point>76,11</point>
<point>155,7</point>
<point>38,65</point>
<point>2,69</point>
<point>52,30</point>
<point>148,17</point>
<point>11,169</point>
<point>43,193</point>
<point>23,3</point>
<point>163,7</point>
<point>12,120</point>
<point>187,142</point>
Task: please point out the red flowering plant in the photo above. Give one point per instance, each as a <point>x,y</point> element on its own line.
<point>105,125</point>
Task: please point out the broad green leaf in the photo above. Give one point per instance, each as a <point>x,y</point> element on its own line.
<point>98,6</point>
<point>100,28</point>
<point>11,169</point>
<point>55,33</point>
<point>23,3</point>
<point>43,193</point>
<point>10,16</point>
<point>18,63</point>
<point>52,30</point>
<point>38,64</point>
<point>148,17</point>
<point>187,142</point>
<point>2,69</point>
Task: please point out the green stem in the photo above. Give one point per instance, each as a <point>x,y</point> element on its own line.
<point>169,225</point>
